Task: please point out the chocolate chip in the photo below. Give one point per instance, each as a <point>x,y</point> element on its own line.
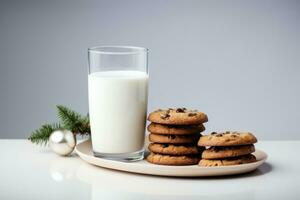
<point>180,110</point>
<point>214,133</point>
<point>165,145</point>
<point>164,116</point>
<point>192,114</point>
<point>219,135</point>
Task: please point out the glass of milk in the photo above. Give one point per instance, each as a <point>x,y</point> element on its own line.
<point>118,93</point>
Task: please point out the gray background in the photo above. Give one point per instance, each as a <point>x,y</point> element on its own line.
<point>238,61</point>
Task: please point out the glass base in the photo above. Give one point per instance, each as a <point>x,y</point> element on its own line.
<point>124,157</point>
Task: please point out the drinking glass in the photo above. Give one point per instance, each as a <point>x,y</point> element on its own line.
<point>118,93</point>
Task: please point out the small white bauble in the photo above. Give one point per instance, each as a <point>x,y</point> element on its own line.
<point>62,142</point>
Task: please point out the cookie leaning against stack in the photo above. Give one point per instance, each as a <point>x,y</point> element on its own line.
<point>228,148</point>
<point>174,134</point>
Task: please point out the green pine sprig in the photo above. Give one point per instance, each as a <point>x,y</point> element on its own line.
<point>73,121</point>
<point>41,135</point>
<point>68,119</point>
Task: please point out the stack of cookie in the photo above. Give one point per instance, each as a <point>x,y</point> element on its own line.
<point>227,148</point>
<point>174,134</point>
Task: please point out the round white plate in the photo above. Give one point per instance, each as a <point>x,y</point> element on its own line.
<point>84,150</point>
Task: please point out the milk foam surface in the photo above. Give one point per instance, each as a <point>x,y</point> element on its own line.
<point>118,109</point>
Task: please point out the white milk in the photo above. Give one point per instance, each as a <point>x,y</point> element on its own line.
<point>117,109</point>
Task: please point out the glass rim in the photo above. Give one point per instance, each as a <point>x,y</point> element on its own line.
<point>131,49</point>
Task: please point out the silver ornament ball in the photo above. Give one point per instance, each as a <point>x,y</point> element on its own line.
<point>62,142</point>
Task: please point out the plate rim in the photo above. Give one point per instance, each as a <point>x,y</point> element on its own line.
<point>248,167</point>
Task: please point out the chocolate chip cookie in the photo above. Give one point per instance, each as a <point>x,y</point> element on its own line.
<point>227,152</point>
<point>228,138</point>
<point>228,161</point>
<point>174,139</point>
<point>178,116</point>
<point>172,160</point>
<point>175,129</point>
<point>171,149</point>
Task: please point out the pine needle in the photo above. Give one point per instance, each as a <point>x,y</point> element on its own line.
<point>69,120</point>
<point>41,135</point>
<point>73,121</point>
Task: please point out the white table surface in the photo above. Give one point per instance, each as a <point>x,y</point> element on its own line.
<point>31,172</point>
